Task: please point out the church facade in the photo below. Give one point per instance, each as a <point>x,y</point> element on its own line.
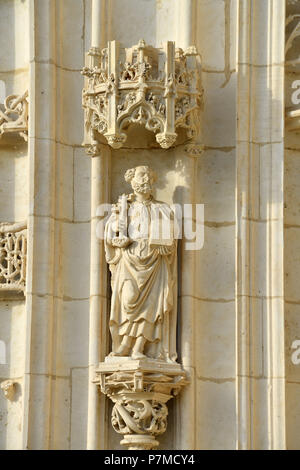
<point>114,336</point>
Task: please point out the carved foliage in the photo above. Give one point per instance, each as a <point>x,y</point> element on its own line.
<point>183,76</point>
<point>14,115</point>
<point>133,71</point>
<point>139,417</point>
<point>13,247</point>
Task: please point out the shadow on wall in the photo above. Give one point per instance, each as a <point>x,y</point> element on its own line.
<point>2,91</point>
<point>214,291</point>
<point>13,159</point>
<point>7,66</point>
<point>7,47</point>
<point>8,11</point>
<point>292,239</point>
<point>3,400</point>
<point>2,352</point>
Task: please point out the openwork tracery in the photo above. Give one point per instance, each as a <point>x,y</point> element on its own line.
<point>13,248</point>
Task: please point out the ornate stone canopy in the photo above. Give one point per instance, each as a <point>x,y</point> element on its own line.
<point>157,88</point>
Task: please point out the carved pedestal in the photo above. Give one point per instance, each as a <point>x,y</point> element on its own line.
<point>140,390</point>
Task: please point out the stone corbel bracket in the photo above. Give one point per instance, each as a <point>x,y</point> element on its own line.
<point>8,388</point>
<point>13,252</point>
<point>14,115</point>
<point>157,88</point>
<point>139,390</point>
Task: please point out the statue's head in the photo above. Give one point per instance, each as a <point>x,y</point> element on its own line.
<point>142,179</point>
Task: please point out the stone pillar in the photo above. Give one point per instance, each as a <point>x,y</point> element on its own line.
<point>260,405</point>
<point>186,16</point>
<point>100,184</point>
<point>41,226</point>
<point>100,180</point>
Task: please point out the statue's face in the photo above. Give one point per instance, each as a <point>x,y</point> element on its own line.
<point>142,182</point>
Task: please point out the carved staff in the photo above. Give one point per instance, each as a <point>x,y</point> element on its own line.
<point>123,216</point>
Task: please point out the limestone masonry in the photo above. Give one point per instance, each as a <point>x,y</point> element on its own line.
<point>149,224</point>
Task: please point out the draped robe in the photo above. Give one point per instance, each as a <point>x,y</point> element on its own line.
<point>151,266</point>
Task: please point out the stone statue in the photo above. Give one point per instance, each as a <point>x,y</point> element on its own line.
<point>141,252</point>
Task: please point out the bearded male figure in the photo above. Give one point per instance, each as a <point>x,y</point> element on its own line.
<point>142,262</point>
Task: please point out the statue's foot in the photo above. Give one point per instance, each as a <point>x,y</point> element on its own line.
<point>121,351</point>
<point>137,355</point>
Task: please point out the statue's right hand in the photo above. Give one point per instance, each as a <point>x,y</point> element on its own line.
<point>120,242</point>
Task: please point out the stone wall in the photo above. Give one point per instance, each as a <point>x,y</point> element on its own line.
<point>291,241</point>
<point>243,390</point>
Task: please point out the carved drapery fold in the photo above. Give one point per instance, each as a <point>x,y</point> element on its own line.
<point>13,249</point>
<point>159,89</point>
<point>14,115</point>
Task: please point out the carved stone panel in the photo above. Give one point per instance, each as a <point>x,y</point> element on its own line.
<point>14,115</point>
<point>13,249</point>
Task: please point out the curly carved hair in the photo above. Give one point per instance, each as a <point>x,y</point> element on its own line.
<point>129,174</point>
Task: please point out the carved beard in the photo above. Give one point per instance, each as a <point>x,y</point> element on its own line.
<point>143,188</point>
